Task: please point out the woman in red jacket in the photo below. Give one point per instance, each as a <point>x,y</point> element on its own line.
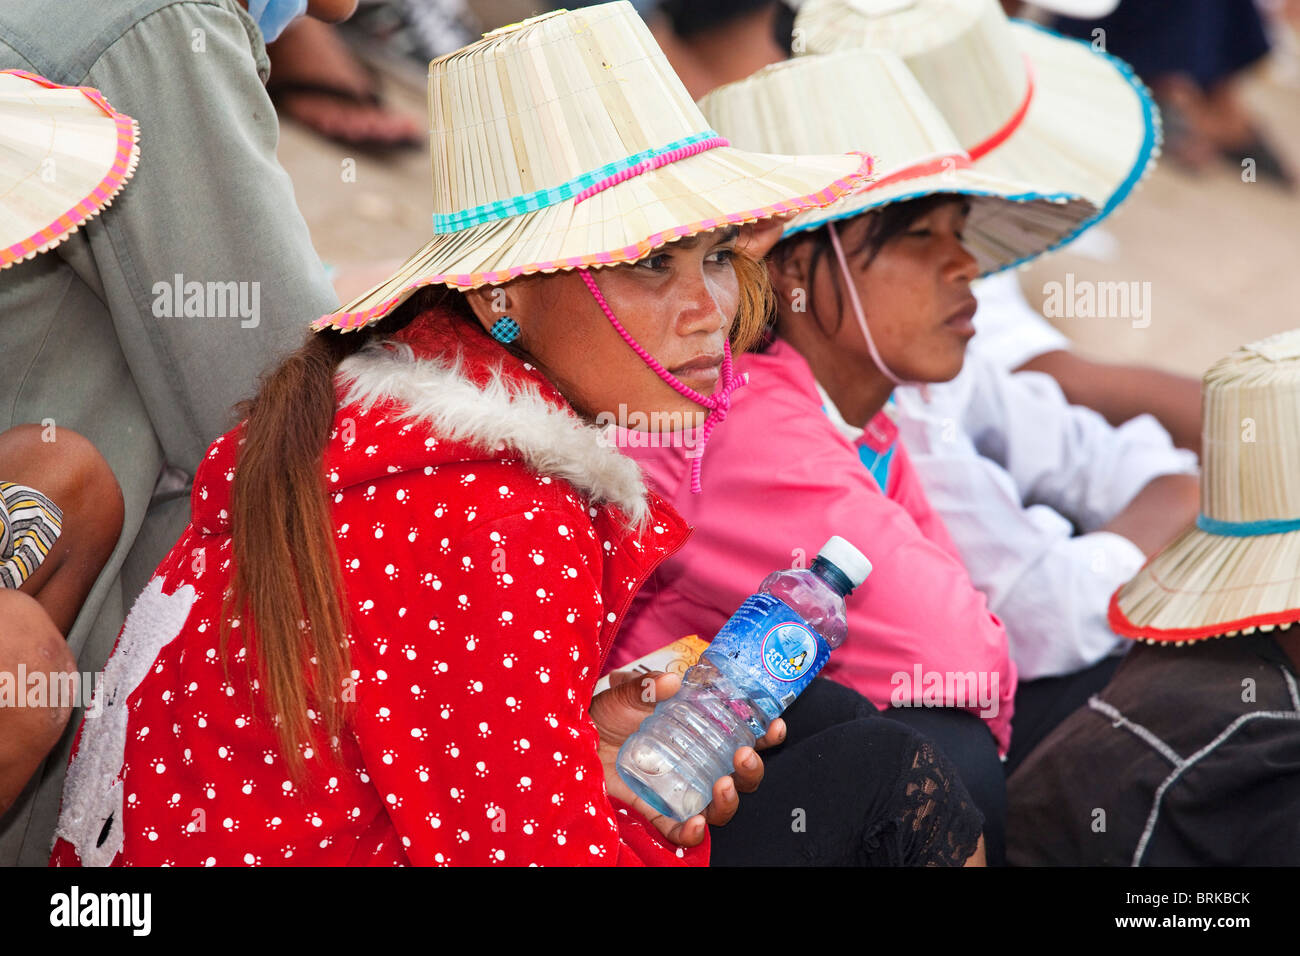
<point>435,545</point>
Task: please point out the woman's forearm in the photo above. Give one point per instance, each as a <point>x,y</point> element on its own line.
<point>34,660</point>
<point>1121,392</point>
<point>1160,511</point>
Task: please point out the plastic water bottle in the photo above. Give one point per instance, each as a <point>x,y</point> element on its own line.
<point>761,660</point>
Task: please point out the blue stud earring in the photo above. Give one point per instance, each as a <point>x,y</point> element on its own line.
<point>505,330</point>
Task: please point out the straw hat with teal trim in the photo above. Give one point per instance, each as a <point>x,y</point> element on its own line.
<point>65,154</point>
<point>1025,103</point>
<point>1237,570</point>
<point>568,142</point>
<point>868,98</point>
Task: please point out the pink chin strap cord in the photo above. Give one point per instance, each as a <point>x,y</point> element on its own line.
<point>858,312</point>
<point>718,403</point>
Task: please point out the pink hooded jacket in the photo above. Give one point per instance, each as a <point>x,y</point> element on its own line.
<point>779,479</point>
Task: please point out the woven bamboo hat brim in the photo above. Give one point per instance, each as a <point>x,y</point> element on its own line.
<point>1026,103</point>
<point>1238,568</point>
<point>868,100</point>
<point>544,135</point>
<point>64,155</point>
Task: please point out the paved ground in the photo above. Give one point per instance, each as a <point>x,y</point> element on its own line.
<point>1222,256</point>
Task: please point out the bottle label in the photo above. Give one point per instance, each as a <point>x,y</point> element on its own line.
<point>788,651</point>
<point>773,646</point>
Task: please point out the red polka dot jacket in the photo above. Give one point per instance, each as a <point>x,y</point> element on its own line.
<point>488,555</point>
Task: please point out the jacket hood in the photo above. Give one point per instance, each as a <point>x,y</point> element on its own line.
<point>438,393</point>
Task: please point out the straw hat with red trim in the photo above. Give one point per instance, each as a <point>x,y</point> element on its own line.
<point>568,142</point>
<point>852,99</point>
<point>65,154</point>
<point>1238,568</point>
<point>1025,103</point>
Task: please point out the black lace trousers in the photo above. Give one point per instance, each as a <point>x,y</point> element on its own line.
<point>850,788</point>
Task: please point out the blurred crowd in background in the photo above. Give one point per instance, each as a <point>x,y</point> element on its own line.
<point>1192,53</point>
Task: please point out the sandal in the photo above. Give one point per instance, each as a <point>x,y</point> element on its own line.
<point>284,90</point>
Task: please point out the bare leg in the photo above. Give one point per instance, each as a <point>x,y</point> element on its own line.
<point>30,644</point>
<point>71,473</point>
<point>1119,392</point>
<point>1187,139</point>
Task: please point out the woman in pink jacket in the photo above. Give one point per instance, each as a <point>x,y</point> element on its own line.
<point>810,449</point>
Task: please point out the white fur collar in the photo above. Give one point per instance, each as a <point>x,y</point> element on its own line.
<point>551,440</point>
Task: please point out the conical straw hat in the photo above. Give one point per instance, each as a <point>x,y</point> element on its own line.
<point>1238,567</point>
<point>544,135</point>
<point>64,155</point>
<point>868,100</point>
<point>1026,103</point>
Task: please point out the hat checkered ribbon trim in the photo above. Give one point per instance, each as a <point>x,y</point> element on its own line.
<point>542,198</point>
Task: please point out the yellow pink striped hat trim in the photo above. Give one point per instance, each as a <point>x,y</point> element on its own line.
<point>347,321</point>
<point>125,159</point>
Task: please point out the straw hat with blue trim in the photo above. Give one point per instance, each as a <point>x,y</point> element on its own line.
<point>1237,570</point>
<point>567,142</point>
<point>1025,103</point>
<point>854,99</point>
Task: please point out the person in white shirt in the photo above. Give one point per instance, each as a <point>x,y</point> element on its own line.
<point>1048,503</point>
<point>1028,487</point>
<point>1017,338</point>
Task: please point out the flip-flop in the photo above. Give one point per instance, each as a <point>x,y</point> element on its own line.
<point>1267,165</point>
<point>282,89</point>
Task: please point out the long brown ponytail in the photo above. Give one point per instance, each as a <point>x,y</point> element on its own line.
<point>287,585</point>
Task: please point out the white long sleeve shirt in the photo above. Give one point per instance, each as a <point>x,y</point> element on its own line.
<point>1022,479</point>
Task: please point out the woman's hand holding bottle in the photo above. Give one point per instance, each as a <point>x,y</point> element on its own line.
<point>619,711</point>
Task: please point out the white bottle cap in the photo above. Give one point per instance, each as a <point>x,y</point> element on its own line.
<point>852,562</point>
